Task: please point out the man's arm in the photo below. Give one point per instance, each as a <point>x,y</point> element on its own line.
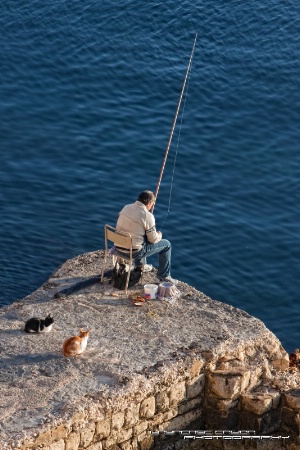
<point>152,235</point>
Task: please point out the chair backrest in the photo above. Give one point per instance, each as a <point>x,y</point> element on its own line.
<point>119,238</point>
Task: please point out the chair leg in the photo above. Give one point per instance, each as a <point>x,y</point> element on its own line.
<point>142,273</point>
<point>128,275</point>
<point>103,266</point>
<point>127,280</point>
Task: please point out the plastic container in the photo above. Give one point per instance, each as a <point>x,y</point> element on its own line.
<point>168,292</point>
<point>165,289</point>
<point>150,291</point>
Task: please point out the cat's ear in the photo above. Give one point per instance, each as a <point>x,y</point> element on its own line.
<point>49,316</point>
<point>81,330</point>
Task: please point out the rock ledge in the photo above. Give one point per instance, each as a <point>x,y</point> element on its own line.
<point>171,355</point>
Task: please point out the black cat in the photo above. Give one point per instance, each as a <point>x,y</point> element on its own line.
<point>35,325</point>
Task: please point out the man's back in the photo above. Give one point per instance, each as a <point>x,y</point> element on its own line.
<point>139,222</point>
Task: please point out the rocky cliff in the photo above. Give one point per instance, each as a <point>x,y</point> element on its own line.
<point>147,372</point>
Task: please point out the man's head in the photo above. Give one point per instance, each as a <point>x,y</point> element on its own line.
<point>147,198</point>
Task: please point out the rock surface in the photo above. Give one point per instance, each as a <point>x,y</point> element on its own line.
<point>39,384</point>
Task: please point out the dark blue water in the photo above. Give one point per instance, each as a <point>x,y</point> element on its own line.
<point>88,93</point>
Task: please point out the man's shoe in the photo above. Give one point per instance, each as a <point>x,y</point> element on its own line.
<point>168,279</point>
<point>148,267</point>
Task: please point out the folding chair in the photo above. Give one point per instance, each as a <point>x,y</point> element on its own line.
<point>121,239</point>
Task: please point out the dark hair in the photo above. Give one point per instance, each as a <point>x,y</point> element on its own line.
<point>146,197</point>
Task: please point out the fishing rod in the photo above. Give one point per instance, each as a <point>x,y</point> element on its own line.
<point>174,123</point>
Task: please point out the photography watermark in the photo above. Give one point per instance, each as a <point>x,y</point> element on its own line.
<point>218,435</point>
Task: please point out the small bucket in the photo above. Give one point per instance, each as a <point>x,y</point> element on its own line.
<point>150,291</point>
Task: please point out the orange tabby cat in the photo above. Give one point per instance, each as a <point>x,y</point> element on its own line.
<point>75,345</point>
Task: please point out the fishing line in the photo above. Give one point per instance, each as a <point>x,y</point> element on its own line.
<point>178,140</point>
<point>187,78</point>
<point>174,122</point>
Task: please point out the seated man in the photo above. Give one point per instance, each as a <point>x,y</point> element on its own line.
<point>137,220</point>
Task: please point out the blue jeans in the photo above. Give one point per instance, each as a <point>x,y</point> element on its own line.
<point>163,248</point>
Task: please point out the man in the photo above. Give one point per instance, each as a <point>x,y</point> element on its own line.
<point>137,220</point>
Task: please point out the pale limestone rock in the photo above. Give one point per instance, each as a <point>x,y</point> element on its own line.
<point>177,394</point>
<point>181,422</point>
<point>157,420</point>
<point>147,408</point>
<point>195,386</point>
<point>78,419</point>
<point>132,415</point>
<point>124,434</point>
<point>103,429</point>
<point>141,436</point>
<point>257,403</point>
<point>117,422</point>
<point>228,384</point>
<point>188,405</point>
<point>87,434</point>
<point>97,446</point>
<point>170,414</point>
<point>44,438</point>
<point>255,377</point>
<point>109,443</point>
<point>197,366</point>
<point>281,363</point>
<point>60,432</point>
<point>73,441</point>
<point>162,401</point>
<point>60,445</point>
<point>140,428</point>
<point>126,445</point>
